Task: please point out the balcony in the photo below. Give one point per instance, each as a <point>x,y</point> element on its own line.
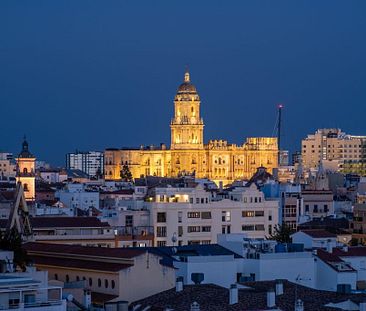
<point>133,233</point>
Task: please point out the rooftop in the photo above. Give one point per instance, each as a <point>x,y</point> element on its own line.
<point>215,298</point>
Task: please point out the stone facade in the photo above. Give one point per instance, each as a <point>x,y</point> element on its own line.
<point>217,160</point>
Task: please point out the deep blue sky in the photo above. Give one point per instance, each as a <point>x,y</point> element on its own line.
<point>95,74</point>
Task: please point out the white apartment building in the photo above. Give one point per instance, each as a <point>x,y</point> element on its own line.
<point>7,165</point>
<point>27,290</point>
<point>78,196</point>
<point>335,149</point>
<point>185,216</point>
<point>90,162</point>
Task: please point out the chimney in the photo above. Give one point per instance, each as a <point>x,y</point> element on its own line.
<point>299,306</point>
<point>179,284</point>
<point>329,246</point>
<point>195,306</point>
<point>87,298</point>
<point>233,298</point>
<point>279,288</point>
<point>271,299</point>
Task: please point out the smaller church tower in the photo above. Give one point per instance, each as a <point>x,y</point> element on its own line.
<point>26,169</point>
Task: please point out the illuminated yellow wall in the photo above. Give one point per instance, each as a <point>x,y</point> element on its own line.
<point>26,175</point>
<point>216,160</point>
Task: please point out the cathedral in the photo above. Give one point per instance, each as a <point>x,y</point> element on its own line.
<point>188,154</point>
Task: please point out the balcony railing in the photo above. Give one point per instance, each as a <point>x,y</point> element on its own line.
<point>134,231</point>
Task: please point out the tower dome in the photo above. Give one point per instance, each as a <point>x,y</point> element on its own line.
<point>187,87</point>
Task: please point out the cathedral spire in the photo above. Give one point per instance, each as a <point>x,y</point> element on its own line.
<point>187,78</point>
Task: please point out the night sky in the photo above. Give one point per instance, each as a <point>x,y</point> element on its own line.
<point>94,74</point>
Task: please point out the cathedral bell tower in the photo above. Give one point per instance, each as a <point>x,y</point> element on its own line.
<point>26,171</point>
<point>186,126</point>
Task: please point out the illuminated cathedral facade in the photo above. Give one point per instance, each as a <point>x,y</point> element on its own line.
<point>188,154</point>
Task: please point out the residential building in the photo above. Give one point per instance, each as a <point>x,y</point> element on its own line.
<point>336,150</point>
<point>117,273</point>
<point>315,238</point>
<point>191,215</point>
<point>188,154</point>
<point>27,290</point>
<point>358,224</point>
<point>78,196</point>
<point>89,162</point>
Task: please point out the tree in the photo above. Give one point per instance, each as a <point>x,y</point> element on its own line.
<point>281,234</point>
<point>126,174</point>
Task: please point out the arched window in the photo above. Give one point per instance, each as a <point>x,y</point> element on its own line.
<point>25,186</point>
<point>77,278</point>
<point>56,276</point>
<point>25,170</point>
<point>106,283</point>
<point>67,278</point>
<point>113,283</point>
<point>90,281</point>
<point>99,282</point>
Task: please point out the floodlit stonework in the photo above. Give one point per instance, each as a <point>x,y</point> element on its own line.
<point>217,160</point>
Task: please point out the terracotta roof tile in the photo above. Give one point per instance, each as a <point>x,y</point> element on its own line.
<point>38,248</point>
<point>319,233</point>
<point>79,264</point>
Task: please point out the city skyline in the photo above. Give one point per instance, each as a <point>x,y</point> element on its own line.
<point>94,79</point>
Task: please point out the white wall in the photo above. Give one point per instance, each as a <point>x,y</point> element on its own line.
<point>219,270</point>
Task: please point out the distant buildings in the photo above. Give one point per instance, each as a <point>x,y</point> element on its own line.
<point>336,150</point>
<point>218,160</point>
<point>90,162</point>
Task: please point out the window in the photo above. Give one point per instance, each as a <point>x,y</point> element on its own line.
<point>194,215</point>
<point>161,243</point>
<point>225,216</point>
<point>56,276</point>
<point>180,215</point>
<point>113,284</point>
<point>247,214</point>
<point>247,227</point>
<point>193,229</point>
<point>161,232</point>
<point>90,281</point>
<point>206,228</point>
<point>77,278</point>
<point>206,215</point>
<point>326,208</point>
<point>161,217</point>
<point>106,283</point>
<point>180,231</point>
<point>197,200</point>
<point>259,213</point>
<point>259,227</point>
<point>269,229</point>
<point>25,171</point>
<point>191,200</point>
<point>67,278</point>
<point>129,220</point>
<point>315,210</point>
<point>99,282</point>
<point>306,208</point>
<point>202,200</point>
<point>205,242</point>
